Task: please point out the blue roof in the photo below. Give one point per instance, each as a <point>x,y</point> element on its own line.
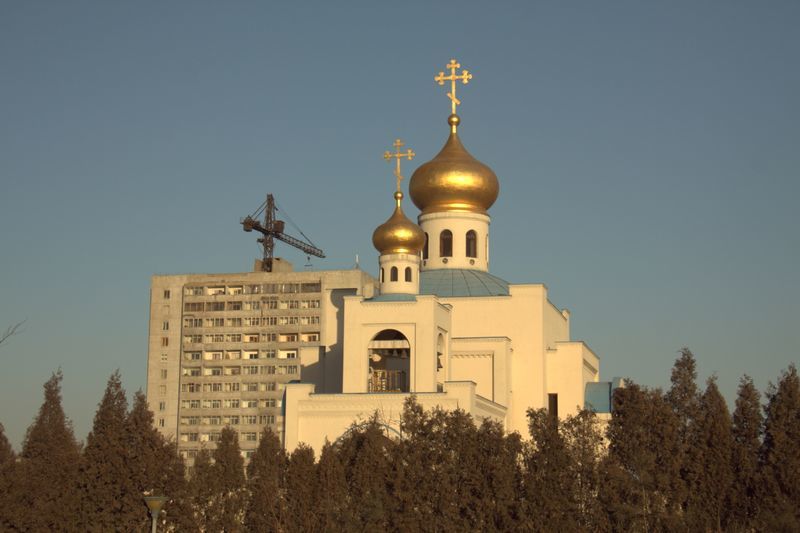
<point>452,282</point>
<point>598,395</point>
<point>393,298</point>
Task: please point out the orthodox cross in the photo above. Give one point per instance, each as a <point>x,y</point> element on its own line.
<point>398,155</point>
<point>465,76</point>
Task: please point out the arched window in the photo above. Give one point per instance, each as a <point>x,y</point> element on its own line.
<point>446,243</point>
<point>472,244</point>
<point>425,247</point>
<point>408,274</point>
<point>382,278</point>
<point>393,275</point>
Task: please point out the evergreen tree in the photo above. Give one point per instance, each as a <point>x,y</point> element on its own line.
<point>156,468</point>
<point>7,454</point>
<point>330,497</point>
<point>549,492</point>
<point>202,491</point>
<point>265,481</point>
<point>743,497</point>
<point>710,473</point>
<point>424,480</point>
<point>229,497</point>
<point>643,466</point>
<point>7,464</point>
<point>684,398</point>
<point>300,478</point>
<point>44,494</point>
<point>780,457</point>
<point>499,458</point>
<point>366,455</point>
<point>110,499</point>
<point>585,446</point>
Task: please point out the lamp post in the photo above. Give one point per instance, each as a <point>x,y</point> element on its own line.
<point>154,504</point>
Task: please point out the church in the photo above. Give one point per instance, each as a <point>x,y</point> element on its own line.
<point>440,326</point>
<point>308,353</point>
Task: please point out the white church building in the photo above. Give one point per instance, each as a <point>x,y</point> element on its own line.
<point>441,327</point>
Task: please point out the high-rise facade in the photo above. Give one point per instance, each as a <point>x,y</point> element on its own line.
<point>222,347</point>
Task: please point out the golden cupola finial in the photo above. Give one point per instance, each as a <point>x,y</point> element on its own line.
<point>398,235</point>
<point>454,180</point>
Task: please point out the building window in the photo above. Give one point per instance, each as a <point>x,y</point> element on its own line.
<point>163,373</point>
<point>165,325</point>
<point>164,341</point>
<point>163,358</point>
<point>161,422</point>
<point>446,243</point>
<point>408,274</point>
<point>162,406</point>
<point>425,247</point>
<point>552,404</point>
<point>472,244</point>
<point>393,275</point>
<point>382,277</point>
<point>162,389</point>
<point>166,294</point>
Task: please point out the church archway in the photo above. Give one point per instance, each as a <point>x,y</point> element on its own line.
<point>389,355</point>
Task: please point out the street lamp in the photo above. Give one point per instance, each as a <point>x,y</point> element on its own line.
<point>154,504</point>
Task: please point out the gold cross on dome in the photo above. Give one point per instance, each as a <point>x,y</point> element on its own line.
<point>397,156</point>
<point>465,76</point>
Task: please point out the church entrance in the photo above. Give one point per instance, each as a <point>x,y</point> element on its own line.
<point>389,362</point>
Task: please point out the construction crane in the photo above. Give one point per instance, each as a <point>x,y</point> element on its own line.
<point>272,229</point>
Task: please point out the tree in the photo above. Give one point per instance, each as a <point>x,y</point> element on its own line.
<point>499,456</point>
<point>228,500</point>
<point>643,466</point>
<point>779,455</point>
<point>7,464</point>
<point>7,454</point>
<point>708,465</point>
<point>366,455</point>
<point>156,468</point>
<point>549,496</point>
<point>202,490</point>
<point>44,495</point>
<point>584,442</point>
<point>747,421</point>
<point>109,497</point>
<point>300,478</point>
<point>265,479</point>
<point>684,398</point>
<point>423,479</point>
<point>330,498</point>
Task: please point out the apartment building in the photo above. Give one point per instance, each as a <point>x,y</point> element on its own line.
<point>222,348</point>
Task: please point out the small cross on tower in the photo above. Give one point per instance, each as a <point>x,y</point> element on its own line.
<point>398,155</point>
<point>465,76</point>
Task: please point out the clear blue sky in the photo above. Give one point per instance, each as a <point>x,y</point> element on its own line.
<point>648,155</point>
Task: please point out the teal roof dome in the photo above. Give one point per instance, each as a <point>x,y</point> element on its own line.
<point>455,282</point>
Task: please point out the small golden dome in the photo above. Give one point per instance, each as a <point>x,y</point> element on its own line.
<point>398,235</point>
<point>454,180</point>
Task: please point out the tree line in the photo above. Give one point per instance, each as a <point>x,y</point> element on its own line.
<point>674,460</point>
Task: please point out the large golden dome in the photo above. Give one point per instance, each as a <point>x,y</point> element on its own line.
<point>398,235</point>
<point>454,180</point>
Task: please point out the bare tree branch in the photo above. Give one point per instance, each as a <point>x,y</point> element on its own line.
<point>11,331</point>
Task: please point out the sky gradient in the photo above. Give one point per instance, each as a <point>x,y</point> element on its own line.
<point>647,153</point>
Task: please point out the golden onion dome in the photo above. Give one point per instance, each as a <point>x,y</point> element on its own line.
<point>398,235</point>
<point>454,180</point>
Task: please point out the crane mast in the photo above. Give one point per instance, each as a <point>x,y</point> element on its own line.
<point>272,229</point>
